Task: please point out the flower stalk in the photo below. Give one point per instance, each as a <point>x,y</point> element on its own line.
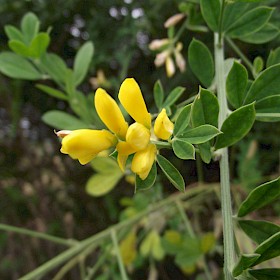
<point>229,249</point>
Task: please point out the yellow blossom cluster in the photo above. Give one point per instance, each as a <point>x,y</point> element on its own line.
<point>134,139</point>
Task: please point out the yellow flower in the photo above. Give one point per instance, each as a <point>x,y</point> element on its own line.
<point>132,100</point>
<point>110,113</point>
<point>143,160</point>
<point>85,144</point>
<point>138,136</point>
<point>163,127</point>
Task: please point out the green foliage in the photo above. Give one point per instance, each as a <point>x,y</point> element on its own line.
<point>183,149</point>
<point>148,182</point>
<point>182,120</point>
<point>211,13</point>
<point>158,94</point>
<point>255,200</point>
<point>236,84</point>
<point>245,261</point>
<point>171,173</point>
<point>265,274</point>
<point>201,62</point>
<point>236,126</point>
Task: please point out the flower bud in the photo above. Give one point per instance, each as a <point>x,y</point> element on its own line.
<point>163,127</point>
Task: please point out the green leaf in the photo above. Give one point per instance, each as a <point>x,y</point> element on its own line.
<point>13,33</point>
<point>101,183</point>
<point>205,109</point>
<point>266,273</point>
<point>250,22</point>
<point>158,94</point>
<point>171,173</point>
<point>54,66</point>
<point>267,33</point>
<point>268,117</point>
<point>266,84</point>
<point>258,231</point>
<point>233,11</point>
<point>39,44</point>
<point>62,120</point>
<point>15,66</point>
<point>273,58</point>
<point>183,149</point>
<point>19,48</point>
<point>260,196</point>
<point>29,26</point>
<point>269,104</point>
<point>200,134</point>
<point>258,65</point>
<point>52,92</point>
<point>148,182</point>
<point>205,152</point>
<point>201,62</point>
<point>82,62</point>
<point>173,96</point>
<point>182,120</point>
<point>236,126</point>
<point>269,249</point>
<point>105,165</point>
<point>245,261</point>
<point>236,84</point>
<point>207,242</point>
<point>210,10</point>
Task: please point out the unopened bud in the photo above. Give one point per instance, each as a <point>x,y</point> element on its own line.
<point>174,20</point>
<point>62,133</point>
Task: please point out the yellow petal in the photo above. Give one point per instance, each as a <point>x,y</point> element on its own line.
<point>110,113</point>
<point>85,144</point>
<point>125,148</point>
<point>142,161</point>
<point>163,127</point>
<point>122,161</point>
<point>132,100</point>
<point>138,136</point>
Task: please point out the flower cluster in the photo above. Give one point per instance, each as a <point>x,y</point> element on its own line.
<point>134,139</point>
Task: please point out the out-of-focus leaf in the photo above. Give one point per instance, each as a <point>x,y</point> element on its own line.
<point>158,94</point>
<point>101,183</point>
<point>17,67</point>
<point>105,165</point>
<point>207,242</point>
<point>236,126</point>
<point>260,196</point>
<point>82,61</point>
<point>268,105</point>
<point>258,64</point>
<point>201,62</point>
<point>52,92</point>
<point>39,44</point>
<point>171,173</point>
<point>29,26</point>
<point>13,33</point>
<point>19,48</point>
<point>62,120</point>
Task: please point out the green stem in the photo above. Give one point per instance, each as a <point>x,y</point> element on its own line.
<point>40,235</point>
<point>82,245</point>
<point>118,254</point>
<point>229,250</point>
<point>185,219</point>
<point>240,54</point>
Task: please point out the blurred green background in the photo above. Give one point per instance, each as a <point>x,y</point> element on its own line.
<point>43,190</point>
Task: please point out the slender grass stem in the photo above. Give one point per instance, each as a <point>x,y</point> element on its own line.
<point>82,245</point>
<point>31,233</point>
<point>118,254</point>
<point>229,249</point>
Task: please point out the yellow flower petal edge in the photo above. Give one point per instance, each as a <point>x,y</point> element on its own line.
<point>163,127</point>
<point>122,161</point>
<point>138,136</point>
<point>110,113</point>
<point>132,100</point>
<point>142,161</point>
<point>85,144</point>
<point>125,148</point>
